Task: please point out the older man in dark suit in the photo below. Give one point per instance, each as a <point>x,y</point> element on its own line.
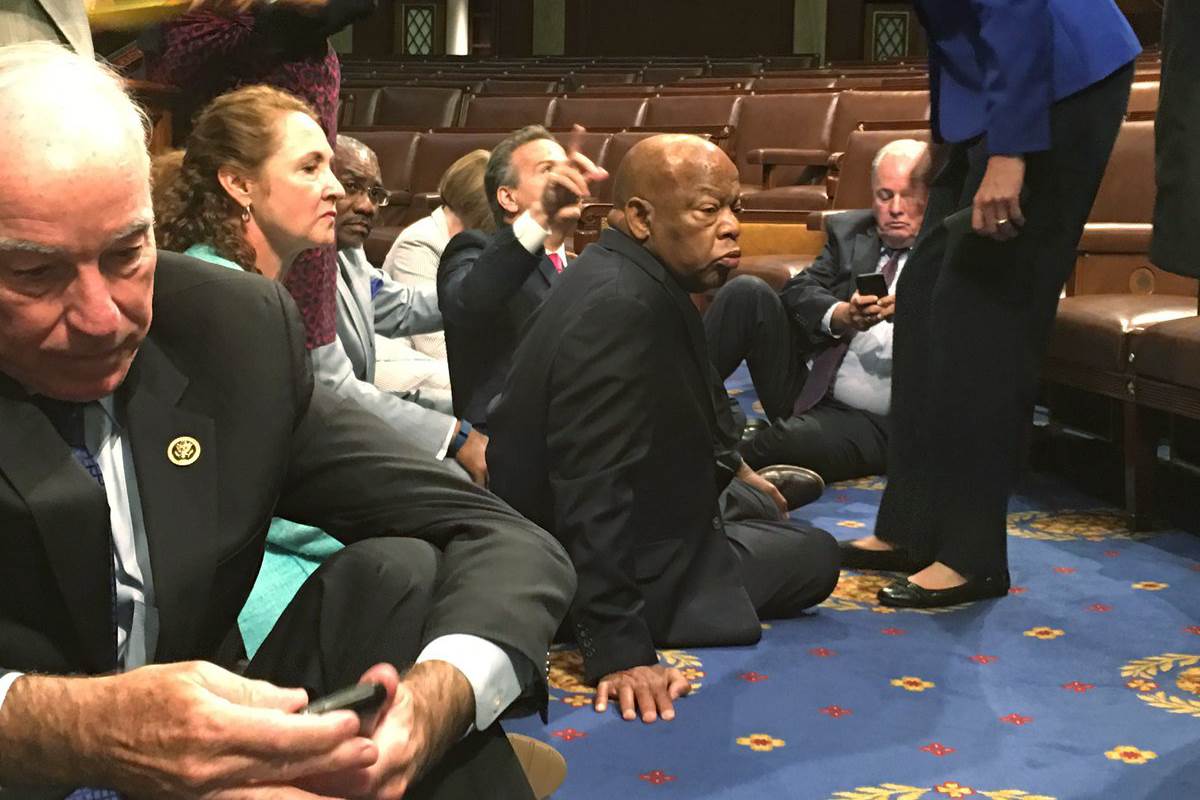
<point>818,353</point>
<point>489,286</point>
<point>614,433</point>
<point>157,412</point>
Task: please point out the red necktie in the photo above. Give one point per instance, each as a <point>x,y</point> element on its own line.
<point>556,261</point>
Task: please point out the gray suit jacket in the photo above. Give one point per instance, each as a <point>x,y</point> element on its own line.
<point>348,365</point>
<point>62,21</point>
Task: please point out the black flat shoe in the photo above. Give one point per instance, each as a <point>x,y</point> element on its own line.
<point>798,485</point>
<point>883,560</point>
<point>752,429</point>
<point>905,594</point>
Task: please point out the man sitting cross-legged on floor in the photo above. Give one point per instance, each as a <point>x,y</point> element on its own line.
<point>820,360</point>
<point>614,433</point>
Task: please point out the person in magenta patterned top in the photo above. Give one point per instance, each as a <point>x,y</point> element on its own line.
<point>284,44</point>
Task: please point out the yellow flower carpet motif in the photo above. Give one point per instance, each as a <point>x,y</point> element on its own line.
<point>1066,526</point>
<point>1145,675</point>
<point>947,789</point>
<point>1129,754</point>
<point>761,742</point>
<point>911,684</point>
<point>1043,632</point>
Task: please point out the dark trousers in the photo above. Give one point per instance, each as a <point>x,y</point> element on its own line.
<point>366,604</point>
<point>747,321</point>
<point>786,567</point>
<point>971,332</point>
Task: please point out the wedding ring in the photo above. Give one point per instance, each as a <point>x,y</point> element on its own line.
<point>1002,221</point>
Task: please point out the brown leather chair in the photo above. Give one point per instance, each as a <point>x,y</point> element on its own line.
<point>666,74</point>
<point>507,112</point>
<point>517,86</point>
<point>396,151</point>
<point>589,78</point>
<point>800,122</point>
<point>356,106</point>
<point>434,154</point>
<point>858,106</point>
<point>598,112</point>
<point>736,69</point>
<point>853,188</point>
<point>626,90</point>
<point>771,82</point>
<point>669,112</point>
<point>418,106</point>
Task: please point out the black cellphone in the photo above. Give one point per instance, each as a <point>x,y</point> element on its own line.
<point>871,283</point>
<point>364,699</point>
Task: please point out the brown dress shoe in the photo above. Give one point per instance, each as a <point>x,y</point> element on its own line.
<point>544,767</point>
<point>798,485</point>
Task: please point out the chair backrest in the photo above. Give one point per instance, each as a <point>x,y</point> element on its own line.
<point>814,82</point>
<point>396,151</point>
<point>669,74</point>
<point>619,89</point>
<point>517,86</point>
<point>507,112</point>
<point>356,105</point>
<point>418,106</point>
<point>800,121</point>
<point>1143,96</point>
<point>857,106</point>
<point>1127,190</point>
<point>735,68</point>
<point>854,173</point>
<point>598,112</point>
<point>684,110</point>
<point>435,153</point>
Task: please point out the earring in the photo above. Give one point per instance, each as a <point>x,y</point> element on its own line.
<point>246,213</point>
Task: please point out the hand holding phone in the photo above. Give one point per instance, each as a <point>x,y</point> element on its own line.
<point>871,284</point>
<point>363,699</point>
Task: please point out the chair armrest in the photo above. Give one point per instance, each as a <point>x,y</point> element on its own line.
<point>1116,237</point>
<point>400,197</point>
<point>786,156</point>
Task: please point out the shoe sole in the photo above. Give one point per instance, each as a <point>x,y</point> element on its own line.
<point>544,767</point>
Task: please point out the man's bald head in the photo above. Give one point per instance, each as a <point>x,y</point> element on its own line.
<point>357,169</point>
<point>678,196</point>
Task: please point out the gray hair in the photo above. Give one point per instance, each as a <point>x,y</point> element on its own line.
<point>500,170</point>
<point>908,149</point>
<point>49,94</point>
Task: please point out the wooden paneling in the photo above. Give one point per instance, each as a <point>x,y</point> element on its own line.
<point>679,27</point>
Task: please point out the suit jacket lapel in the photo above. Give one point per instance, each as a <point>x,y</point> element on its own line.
<point>68,17</point>
<point>546,267</point>
<point>618,241</point>
<point>71,515</point>
<point>866,254</point>
<point>352,296</point>
<point>179,503</point>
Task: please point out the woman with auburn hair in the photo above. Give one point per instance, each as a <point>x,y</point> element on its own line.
<point>253,191</point>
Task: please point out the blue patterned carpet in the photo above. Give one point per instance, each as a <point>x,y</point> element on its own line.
<point>1084,683</point>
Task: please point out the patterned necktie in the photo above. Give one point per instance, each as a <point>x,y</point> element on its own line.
<point>556,261</point>
<point>892,266</point>
<point>67,419</point>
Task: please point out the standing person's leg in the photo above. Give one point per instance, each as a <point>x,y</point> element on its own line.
<point>906,500</point>
<point>835,441</point>
<point>747,321</point>
<point>992,307</point>
<point>366,604</point>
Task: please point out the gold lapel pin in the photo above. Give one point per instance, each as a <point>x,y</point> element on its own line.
<point>183,451</point>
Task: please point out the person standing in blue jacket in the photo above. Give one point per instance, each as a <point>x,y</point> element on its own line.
<point>1028,96</point>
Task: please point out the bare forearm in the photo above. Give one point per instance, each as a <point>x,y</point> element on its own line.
<point>444,696</point>
<point>46,739</point>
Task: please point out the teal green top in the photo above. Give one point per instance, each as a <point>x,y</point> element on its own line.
<point>294,551</point>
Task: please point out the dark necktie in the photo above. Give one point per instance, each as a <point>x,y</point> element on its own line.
<point>828,361</point>
<point>67,419</point>
<point>556,261</point>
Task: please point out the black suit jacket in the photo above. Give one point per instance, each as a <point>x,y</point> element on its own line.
<point>487,290</point>
<point>852,248</point>
<point>225,363</point>
<point>1176,243</point>
<point>613,434</point>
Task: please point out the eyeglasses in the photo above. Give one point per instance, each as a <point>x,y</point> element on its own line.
<point>376,193</point>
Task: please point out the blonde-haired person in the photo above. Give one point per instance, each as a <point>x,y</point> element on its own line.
<point>414,256</point>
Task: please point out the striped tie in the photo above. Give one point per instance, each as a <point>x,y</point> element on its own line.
<point>67,419</point>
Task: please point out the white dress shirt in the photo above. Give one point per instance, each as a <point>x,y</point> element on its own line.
<point>864,379</point>
<point>533,237</point>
